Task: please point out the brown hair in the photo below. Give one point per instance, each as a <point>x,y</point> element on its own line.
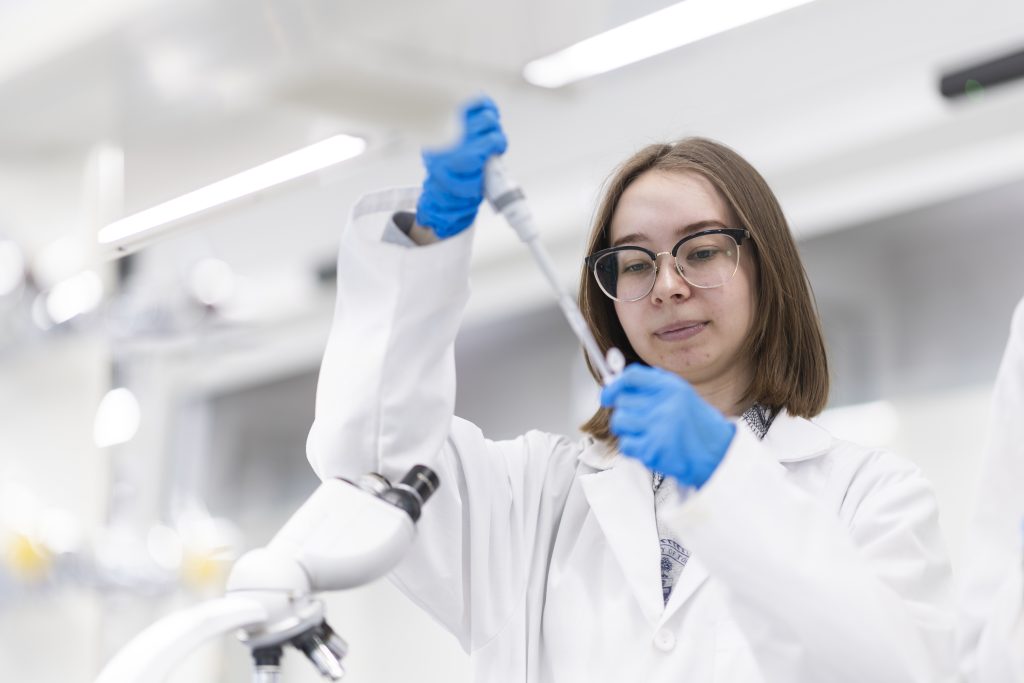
<point>785,343</point>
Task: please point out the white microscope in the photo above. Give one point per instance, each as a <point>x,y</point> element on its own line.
<point>347,534</point>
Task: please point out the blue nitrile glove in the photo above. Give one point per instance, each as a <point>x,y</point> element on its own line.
<point>661,421</point>
<point>454,187</point>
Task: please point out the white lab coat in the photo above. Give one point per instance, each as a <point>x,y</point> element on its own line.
<point>991,634</point>
<point>813,560</point>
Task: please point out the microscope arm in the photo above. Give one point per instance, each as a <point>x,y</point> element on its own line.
<point>343,536</point>
<point>156,651</point>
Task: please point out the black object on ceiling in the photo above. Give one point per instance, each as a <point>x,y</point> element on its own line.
<point>974,79</point>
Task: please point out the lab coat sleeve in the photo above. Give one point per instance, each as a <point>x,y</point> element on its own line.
<point>385,402</point>
<point>387,379</point>
<point>860,596</point>
<point>990,597</point>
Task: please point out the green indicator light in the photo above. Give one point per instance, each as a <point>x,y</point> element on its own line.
<point>973,88</point>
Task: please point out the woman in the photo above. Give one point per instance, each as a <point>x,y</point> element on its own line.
<point>772,552</point>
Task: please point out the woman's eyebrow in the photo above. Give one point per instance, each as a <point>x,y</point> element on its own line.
<point>692,227</point>
<point>633,237</point>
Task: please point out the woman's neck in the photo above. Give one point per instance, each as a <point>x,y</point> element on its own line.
<point>726,395</point>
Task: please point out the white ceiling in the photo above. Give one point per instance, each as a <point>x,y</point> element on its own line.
<point>836,102</point>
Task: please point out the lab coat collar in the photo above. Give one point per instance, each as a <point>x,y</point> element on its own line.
<point>622,501</point>
<point>789,439</point>
<point>621,497</point>
<point>600,455</point>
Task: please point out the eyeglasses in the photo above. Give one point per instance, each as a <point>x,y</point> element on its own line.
<point>705,259</point>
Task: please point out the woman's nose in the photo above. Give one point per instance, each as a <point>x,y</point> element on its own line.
<point>669,282</point>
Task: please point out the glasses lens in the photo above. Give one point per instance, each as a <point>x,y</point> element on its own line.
<point>708,260</point>
<point>625,274</point>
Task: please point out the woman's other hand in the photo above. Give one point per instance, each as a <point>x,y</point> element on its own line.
<point>660,420</point>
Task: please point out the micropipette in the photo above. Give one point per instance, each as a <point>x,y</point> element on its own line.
<point>507,199</point>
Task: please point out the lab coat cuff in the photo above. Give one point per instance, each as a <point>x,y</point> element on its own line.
<point>377,235</point>
<point>386,202</point>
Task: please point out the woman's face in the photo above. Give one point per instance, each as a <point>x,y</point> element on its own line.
<point>696,333</point>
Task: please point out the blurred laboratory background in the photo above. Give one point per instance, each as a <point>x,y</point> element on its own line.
<point>155,394</point>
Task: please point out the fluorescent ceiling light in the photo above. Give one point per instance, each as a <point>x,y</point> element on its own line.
<point>664,30</point>
<point>299,163</point>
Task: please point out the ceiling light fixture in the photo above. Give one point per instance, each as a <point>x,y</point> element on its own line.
<point>664,30</point>
<point>128,233</point>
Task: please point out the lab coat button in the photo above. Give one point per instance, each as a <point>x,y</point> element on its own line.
<point>664,640</point>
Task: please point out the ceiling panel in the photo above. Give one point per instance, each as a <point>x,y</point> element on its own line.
<point>819,97</point>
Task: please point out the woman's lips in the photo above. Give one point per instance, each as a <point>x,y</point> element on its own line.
<point>680,331</point>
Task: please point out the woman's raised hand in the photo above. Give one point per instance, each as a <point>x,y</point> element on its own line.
<point>454,186</point>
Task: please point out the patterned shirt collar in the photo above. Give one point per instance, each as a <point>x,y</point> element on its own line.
<point>759,419</point>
